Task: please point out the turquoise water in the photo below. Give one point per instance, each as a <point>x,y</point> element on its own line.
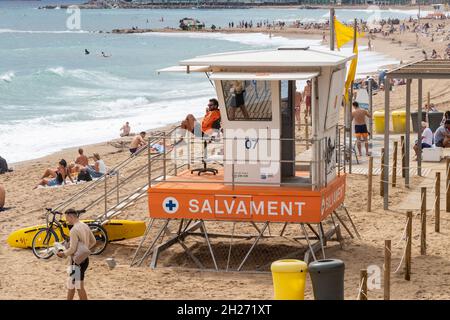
<point>54,96</point>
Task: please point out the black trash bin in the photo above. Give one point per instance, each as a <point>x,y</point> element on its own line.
<point>327,278</point>
<point>414,116</point>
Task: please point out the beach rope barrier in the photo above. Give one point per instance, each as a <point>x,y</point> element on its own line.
<point>402,258</point>
<point>402,238</point>
<point>360,289</point>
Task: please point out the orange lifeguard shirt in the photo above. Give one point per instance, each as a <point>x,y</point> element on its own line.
<point>209,119</point>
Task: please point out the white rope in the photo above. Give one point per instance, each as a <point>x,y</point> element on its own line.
<point>403,234</point>
<point>360,290</point>
<point>403,257</point>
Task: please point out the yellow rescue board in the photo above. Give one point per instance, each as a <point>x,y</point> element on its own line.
<point>116,229</point>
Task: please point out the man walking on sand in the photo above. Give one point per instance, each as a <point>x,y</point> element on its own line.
<point>80,234</point>
<point>137,142</point>
<point>361,133</point>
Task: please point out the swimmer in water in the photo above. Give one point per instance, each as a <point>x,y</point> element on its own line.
<point>86,51</point>
<point>104,55</point>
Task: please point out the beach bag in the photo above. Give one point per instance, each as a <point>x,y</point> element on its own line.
<point>84,176</point>
<point>3,165</point>
<point>81,254</point>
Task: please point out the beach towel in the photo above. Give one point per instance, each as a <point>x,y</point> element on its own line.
<point>158,147</point>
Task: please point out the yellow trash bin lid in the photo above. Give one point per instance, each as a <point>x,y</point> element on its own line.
<point>289,265</point>
<point>399,113</point>
<point>378,114</point>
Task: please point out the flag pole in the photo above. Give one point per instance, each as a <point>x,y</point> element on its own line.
<point>332,29</point>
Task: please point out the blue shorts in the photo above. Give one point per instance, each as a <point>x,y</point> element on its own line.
<point>52,183</point>
<point>425,145</point>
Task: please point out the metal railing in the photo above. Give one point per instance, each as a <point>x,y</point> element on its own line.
<point>115,171</point>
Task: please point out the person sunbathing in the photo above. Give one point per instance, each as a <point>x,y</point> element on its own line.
<point>98,169</point>
<point>57,176</point>
<point>137,143</point>
<point>81,159</point>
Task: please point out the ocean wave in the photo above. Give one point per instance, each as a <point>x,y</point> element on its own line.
<point>253,39</point>
<point>7,76</point>
<point>44,31</point>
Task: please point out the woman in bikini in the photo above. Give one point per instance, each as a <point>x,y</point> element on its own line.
<point>56,177</point>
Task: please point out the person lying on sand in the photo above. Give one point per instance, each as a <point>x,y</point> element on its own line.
<point>55,177</point>
<point>137,142</point>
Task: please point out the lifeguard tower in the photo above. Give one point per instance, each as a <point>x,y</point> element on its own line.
<point>270,175</point>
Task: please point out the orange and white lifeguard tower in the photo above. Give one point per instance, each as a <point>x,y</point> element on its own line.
<point>266,173</point>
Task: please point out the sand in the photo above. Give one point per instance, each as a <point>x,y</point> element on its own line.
<point>25,277</point>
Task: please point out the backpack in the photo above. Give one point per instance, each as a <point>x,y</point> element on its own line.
<point>84,176</point>
<point>3,165</point>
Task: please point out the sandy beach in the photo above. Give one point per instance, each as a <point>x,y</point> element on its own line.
<point>25,277</point>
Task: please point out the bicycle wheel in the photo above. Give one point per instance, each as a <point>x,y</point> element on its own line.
<point>43,243</point>
<point>101,238</point>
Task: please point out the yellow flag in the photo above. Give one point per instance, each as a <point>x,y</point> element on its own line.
<point>343,33</point>
<point>352,71</point>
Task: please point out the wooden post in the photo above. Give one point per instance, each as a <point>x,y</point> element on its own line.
<point>428,100</point>
<point>306,130</point>
<point>382,173</point>
<point>423,220</point>
<point>369,189</point>
<point>437,202</point>
<point>332,29</point>
<point>363,282</point>
<point>408,246</point>
<point>402,146</point>
<point>387,269</point>
<point>448,185</point>
<point>394,166</point>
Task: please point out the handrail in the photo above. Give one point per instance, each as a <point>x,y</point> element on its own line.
<point>152,139</point>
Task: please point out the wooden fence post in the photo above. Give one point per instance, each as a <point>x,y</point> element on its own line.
<point>387,269</point>
<point>437,202</point>
<point>402,146</point>
<point>448,185</point>
<point>382,174</point>
<point>369,189</point>
<point>408,246</point>
<point>394,168</point>
<point>423,220</point>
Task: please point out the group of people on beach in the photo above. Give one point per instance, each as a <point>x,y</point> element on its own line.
<point>80,167</point>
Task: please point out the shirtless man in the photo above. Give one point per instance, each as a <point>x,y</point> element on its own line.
<point>307,97</point>
<point>298,103</point>
<point>361,133</point>
<point>125,130</point>
<point>81,160</point>
<point>137,142</point>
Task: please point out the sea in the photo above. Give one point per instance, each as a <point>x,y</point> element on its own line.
<point>53,96</point>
